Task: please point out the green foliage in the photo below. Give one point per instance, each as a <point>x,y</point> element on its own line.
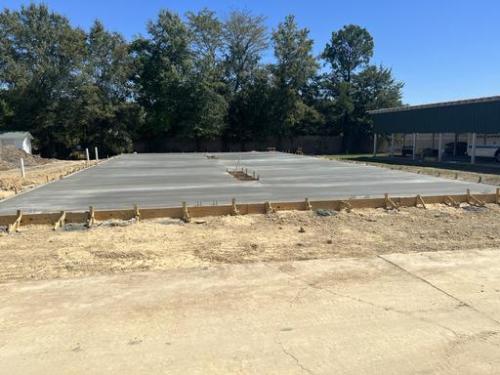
<point>207,43</point>
<point>163,63</point>
<point>353,86</point>
<point>196,76</point>
<point>294,69</point>
<point>245,38</point>
<point>349,49</point>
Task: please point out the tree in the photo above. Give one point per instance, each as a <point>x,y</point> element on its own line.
<point>208,106</point>
<point>354,86</point>
<point>39,55</point>
<point>372,88</point>
<point>349,49</point>
<point>207,42</point>
<point>294,69</point>
<point>163,65</point>
<point>108,115</point>
<point>245,38</point>
<point>375,87</point>
<point>250,108</point>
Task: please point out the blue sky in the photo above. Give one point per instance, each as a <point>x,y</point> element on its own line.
<point>441,50</point>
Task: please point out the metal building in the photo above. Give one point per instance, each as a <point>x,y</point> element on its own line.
<point>473,116</point>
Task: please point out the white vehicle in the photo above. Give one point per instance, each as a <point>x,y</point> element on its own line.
<point>487,146</point>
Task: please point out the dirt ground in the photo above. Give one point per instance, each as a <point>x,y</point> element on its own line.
<point>12,181</point>
<point>37,252</point>
<point>365,292</point>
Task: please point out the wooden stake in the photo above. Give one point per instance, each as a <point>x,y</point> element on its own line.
<point>307,205</point>
<point>497,196</point>
<point>389,203</point>
<point>234,208</point>
<point>269,209</point>
<point>472,200</point>
<point>90,217</point>
<point>345,205</point>
<point>14,227</point>
<point>449,201</point>
<point>420,200</point>
<point>186,217</point>
<point>137,213</point>
<point>61,221</point>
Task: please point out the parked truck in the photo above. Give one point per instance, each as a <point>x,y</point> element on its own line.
<point>487,146</point>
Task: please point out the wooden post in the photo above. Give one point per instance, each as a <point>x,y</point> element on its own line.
<point>392,145</point>
<point>497,196</point>
<point>374,144</point>
<point>137,213</point>
<point>186,217</point>
<point>345,205</point>
<point>23,172</point>
<point>61,221</point>
<point>14,227</point>
<point>420,200</point>
<point>307,205</point>
<point>269,208</point>
<point>234,208</point>
<point>389,203</point>
<point>440,147</point>
<point>90,217</point>
<point>472,200</point>
<point>449,201</point>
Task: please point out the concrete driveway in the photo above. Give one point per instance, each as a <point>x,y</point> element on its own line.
<point>436,312</point>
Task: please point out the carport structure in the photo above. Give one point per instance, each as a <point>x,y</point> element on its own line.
<point>473,116</point>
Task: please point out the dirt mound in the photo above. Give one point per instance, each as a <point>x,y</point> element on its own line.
<point>10,156</point>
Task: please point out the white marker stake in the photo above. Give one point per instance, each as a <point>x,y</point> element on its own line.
<point>96,154</point>
<point>23,172</point>
<point>87,156</point>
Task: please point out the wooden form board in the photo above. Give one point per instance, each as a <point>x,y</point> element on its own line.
<point>242,209</point>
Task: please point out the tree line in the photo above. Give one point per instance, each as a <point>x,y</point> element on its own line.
<point>193,76</point>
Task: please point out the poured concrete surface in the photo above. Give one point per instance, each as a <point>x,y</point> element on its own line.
<point>161,180</point>
<point>423,313</point>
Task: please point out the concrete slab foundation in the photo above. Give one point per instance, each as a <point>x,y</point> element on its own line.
<point>163,180</point>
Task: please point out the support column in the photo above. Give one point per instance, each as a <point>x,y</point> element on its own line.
<point>473,152</point>
<point>440,147</point>
<point>374,144</point>
<point>414,151</point>
<point>392,145</point>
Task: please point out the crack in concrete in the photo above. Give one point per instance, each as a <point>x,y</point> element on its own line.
<point>460,302</point>
<point>387,308</point>
<point>360,300</point>
<point>291,355</point>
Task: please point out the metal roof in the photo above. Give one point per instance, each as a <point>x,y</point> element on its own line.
<point>481,115</point>
<point>15,135</point>
<point>434,105</point>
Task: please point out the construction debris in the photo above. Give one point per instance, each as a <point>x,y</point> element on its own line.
<point>11,155</point>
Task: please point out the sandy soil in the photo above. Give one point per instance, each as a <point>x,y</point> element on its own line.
<point>12,181</point>
<point>37,252</point>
